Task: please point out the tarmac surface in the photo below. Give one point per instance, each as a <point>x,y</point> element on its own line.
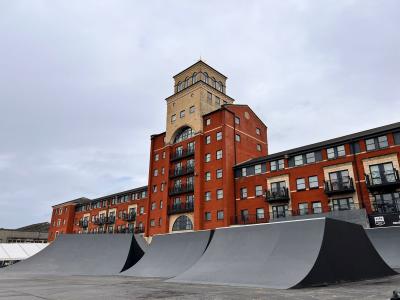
<point>29,287</point>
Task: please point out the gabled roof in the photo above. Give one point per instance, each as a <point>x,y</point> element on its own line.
<point>200,62</point>
<point>316,146</point>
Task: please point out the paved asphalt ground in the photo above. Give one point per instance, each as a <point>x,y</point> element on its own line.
<point>26,287</point>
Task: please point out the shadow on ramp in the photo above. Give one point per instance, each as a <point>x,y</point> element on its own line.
<point>386,241</point>
<point>83,254</point>
<point>171,254</point>
<point>286,255</point>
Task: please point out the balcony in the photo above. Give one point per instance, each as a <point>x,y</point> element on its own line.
<point>176,190</point>
<point>334,187</point>
<point>180,208</point>
<point>130,217</point>
<point>281,195</point>
<point>383,181</point>
<point>249,219</point>
<point>83,223</point>
<point>104,220</point>
<point>181,172</point>
<point>182,154</point>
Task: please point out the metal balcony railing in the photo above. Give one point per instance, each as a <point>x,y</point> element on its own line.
<point>181,189</point>
<point>182,154</point>
<point>180,208</point>
<point>382,180</point>
<point>345,185</point>
<point>181,172</point>
<point>278,195</point>
<point>250,219</point>
<point>129,217</point>
<point>104,220</point>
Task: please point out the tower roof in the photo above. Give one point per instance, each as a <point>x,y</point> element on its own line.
<point>200,62</point>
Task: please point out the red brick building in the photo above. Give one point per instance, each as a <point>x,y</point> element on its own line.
<point>211,168</point>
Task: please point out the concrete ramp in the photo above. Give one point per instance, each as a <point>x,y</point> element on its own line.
<point>386,241</point>
<point>83,254</point>
<point>285,255</point>
<point>171,254</point>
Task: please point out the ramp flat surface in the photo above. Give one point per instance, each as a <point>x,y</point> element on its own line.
<point>287,255</point>
<point>386,241</point>
<point>170,254</point>
<point>82,254</point>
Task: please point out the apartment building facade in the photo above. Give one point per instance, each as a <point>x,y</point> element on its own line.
<point>211,168</point>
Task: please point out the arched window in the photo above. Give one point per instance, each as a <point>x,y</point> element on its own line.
<point>182,223</point>
<point>194,78</point>
<point>178,87</point>
<point>187,81</point>
<point>183,133</point>
<point>219,86</point>
<point>213,82</point>
<point>205,77</point>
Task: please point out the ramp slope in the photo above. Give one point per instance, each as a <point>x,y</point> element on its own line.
<point>170,254</point>
<point>288,255</point>
<point>386,241</point>
<point>83,254</point>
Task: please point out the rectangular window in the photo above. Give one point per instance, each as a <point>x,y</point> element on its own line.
<point>208,176</point>
<point>259,190</point>
<point>207,157</point>
<point>163,155</point>
<point>259,147</point>
<point>220,194</point>
<point>162,170</point>
<point>208,122</point>
<point>317,207</point>
<point>303,209</point>
<point>217,100</point>
<point>355,148</point>
<point>257,169</point>
<point>277,165</point>
<point>182,114</point>
<point>237,120</point>
<point>209,98</point>
<point>313,182</point>
<point>154,188</point>
<point>141,210</point>
<point>155,172</point>
<point>301,184</point>
<point>310,157</point>
<point>208,139</point>
<point>343,204</point>
<point>192,109</point>
<point>173,118</point>
<point>219,135</point>
<point>219,154</point>
<point>336,152</point>
<point>153,206</point>
<point>207,216</point>
<point>219,173</point>
<point>396,137</point>
<point>244,172</point>
<point>220,215</point>
<point>243,193</point>
<point>156,157</point>
<point>376,143</point>
<point>152,223</point>
<point>298,160</point>
<point>237,137</point>
<point>258,131</point>
<point>260,213</point>
<point>207,196</point>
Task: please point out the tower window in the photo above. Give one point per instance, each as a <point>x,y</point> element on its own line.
<point>237,120</point>
<point>182,114</point>
<point>192,109</point>
<point>209,98</point>
<point>173,118</point>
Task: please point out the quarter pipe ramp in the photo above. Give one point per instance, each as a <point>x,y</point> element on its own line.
<point>171,254</point>
<point>83,254</point>
<point>386,241</point>
<point>285,255</point>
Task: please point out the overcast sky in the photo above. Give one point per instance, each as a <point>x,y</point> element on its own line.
<point>83,83</point>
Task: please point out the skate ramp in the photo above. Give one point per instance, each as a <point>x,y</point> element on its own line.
<point>286,255</point>
<point>170,254</point>
<point>83,254</point>
<point>386,241</point>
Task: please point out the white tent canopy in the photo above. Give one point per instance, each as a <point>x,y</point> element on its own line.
<point>19,251</point>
